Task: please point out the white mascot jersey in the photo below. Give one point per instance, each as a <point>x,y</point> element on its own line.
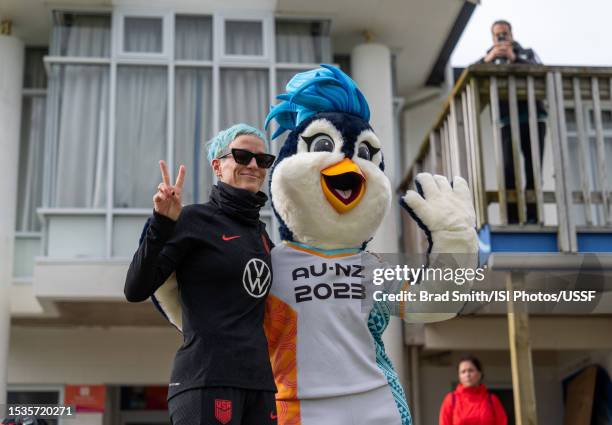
<point>324,341</point>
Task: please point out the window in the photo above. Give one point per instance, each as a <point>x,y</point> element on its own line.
<point>592,157</point>
<point>81,34</point>
<point>140,133</point>
<point>303,42</point>
<point>79,102</point>
<point>142,34</point>
<point>31,147</point>
<point>193,40</point>
<point>164,85</point>
<point>244,38</point>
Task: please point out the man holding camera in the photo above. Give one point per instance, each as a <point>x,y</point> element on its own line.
<point>506,51</point>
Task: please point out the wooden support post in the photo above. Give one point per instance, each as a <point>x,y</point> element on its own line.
<point>523,386</point>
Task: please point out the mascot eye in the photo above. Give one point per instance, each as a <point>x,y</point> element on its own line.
<point>319,143</point>
<point>366,151</point>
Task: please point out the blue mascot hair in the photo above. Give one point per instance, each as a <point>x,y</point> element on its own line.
<point>325,89</point>
<point>222,140</point>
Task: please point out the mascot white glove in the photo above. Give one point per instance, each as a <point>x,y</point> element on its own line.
<point>446,214</point>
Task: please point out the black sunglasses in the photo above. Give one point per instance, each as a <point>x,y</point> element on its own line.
<point>244,157</point>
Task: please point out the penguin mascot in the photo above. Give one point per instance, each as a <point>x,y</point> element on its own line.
<point>330,194</point>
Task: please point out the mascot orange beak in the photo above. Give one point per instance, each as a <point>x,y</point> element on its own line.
<point>343,185</point>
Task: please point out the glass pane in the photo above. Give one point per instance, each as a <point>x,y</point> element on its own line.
<point>570,120</point>
<point>31,154</point>
<point>143,35</point>
<point>76,236</point>
<point>81,35</point>
<point>78,99</point>
<point>140,134</point>
<point>193,38</point>
<point>606,119</point>
<point>244,97</point>
<point>34,73</point>
<point>126,234</point>
<point>303,42</point>
<point>26,250</point>
<point>244,38</point>
<point>192,128</point>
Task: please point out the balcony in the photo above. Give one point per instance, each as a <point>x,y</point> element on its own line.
<point>535,144</point>
<point>499,117</point>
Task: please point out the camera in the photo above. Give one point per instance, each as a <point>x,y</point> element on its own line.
<point>501,37</point>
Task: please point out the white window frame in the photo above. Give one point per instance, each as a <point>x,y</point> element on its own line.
<point>267,27</point>
<point>118,33</point>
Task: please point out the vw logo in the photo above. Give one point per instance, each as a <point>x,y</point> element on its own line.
<point>256,277</point>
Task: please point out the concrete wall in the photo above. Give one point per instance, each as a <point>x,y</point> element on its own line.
<point>91,355</point>
<point>417,119</point>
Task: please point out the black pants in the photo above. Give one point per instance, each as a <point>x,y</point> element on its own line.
<point>222,405</point>
<point>509,167</point>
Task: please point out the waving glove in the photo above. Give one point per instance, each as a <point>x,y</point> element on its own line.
<point>446,214</point>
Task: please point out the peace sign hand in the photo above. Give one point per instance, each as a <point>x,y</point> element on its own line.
<point>167,200</point>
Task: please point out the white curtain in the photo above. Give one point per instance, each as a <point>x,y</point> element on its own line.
<point>193,38</point>
<point>243,38</point>
<point>81,35</point>
<point>302,42</point>
<point>192,128</point>
<point>143,35</point>
<point>77,121</point>
<point>140,137</point>
<point>29,195</point>
<point>78,98</point>
<point>244,97</point>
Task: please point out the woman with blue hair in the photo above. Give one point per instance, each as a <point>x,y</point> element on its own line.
<point>220,253</point>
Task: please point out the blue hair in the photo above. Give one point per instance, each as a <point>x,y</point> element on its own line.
<point>222,140</point>
<point>326,89</point>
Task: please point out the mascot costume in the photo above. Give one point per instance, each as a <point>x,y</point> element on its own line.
<point>330,194</point>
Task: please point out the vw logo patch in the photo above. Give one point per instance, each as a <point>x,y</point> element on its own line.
<point>256,277</point>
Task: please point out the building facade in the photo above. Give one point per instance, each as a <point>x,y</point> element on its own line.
<point>94,93</point>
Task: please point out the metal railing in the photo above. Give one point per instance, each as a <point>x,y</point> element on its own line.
<point>556,119</point>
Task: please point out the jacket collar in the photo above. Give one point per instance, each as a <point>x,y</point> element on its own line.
<point>237,203</point>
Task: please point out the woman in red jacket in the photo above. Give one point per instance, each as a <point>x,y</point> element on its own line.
<point>471,403</point>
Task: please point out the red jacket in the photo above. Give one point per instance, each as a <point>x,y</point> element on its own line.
<point>472,406</point>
